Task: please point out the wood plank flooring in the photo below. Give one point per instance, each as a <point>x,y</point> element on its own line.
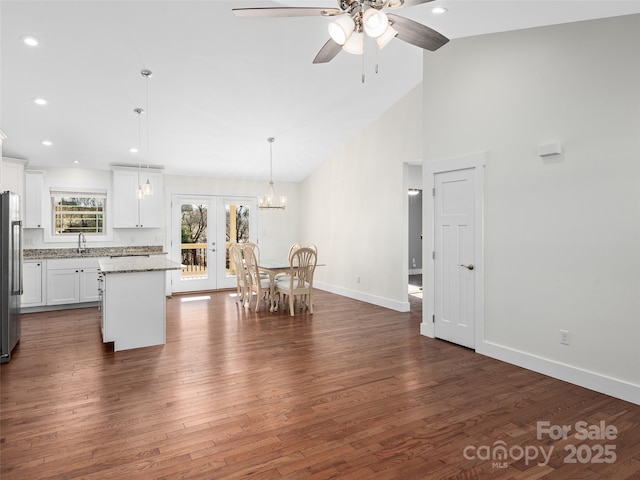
<point>350,392</point>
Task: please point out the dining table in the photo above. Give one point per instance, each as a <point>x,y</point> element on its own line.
<point>272,268</point>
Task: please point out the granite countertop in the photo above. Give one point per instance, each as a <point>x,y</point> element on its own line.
<point>136,264</point>
<point>54,253</point>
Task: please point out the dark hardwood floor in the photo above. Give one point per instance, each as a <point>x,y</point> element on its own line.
<point>350,392</point>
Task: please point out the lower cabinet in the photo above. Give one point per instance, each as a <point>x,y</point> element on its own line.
<point>134,309</point>
<point>72,281</point>
<point>34,287</point>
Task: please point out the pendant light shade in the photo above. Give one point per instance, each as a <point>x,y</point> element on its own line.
<point>341,28</point>
<point>271,199</point>
<point>147,188</point>
<point>375,22</point>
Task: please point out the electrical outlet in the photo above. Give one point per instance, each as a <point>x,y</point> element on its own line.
<point>564,337</point>
<point>358,279</point>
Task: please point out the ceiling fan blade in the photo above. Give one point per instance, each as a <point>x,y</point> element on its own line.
<point>413,3</point>
<point>405,3</point>
<point>328,52</point>
<point>286,12</point>
<point>417,34</point>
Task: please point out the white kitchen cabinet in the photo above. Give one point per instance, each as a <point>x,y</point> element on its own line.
<point>131,212</point>
<point>12,177</point>
<point>33,283</point>
<point>63,286</point>
<point>72,281</point>
<point>89,284</point>
<point>34,186</point>
<point>134,309</point>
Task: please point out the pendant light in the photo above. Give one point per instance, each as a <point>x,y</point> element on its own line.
<point>271,200</point>
<point>139,190</point>
<point>147,188</point>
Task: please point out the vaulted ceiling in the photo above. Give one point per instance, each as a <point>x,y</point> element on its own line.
<point>221,85</point>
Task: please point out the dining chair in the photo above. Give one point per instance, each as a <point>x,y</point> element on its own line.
<point>299,283</point>
<point>292,249</point>
<point>256,251</point>
<point>242,275</point>
<point>257,283</point>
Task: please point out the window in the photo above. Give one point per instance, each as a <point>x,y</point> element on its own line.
<point>77,211</point>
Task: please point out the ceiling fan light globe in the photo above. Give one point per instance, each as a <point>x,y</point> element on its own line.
<point>341,29</point>
<point>375,22</point>
<point>355,44</point>
<point>386,37</point>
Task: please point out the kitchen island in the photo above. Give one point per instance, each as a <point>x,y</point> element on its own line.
<point>133,303</point>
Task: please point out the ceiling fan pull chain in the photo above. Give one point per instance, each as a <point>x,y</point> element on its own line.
<point>363,60</point>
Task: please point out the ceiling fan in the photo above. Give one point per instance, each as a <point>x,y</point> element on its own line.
<point>354,18</point>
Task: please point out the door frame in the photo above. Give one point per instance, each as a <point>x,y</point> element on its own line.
<point>223,281</point>
<point>476,161</point>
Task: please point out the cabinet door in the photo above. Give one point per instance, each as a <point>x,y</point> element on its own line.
<point>63,286</point>
<point>12,177</point>
<point>150,207</point>
<point>89,291</point>
<point>34,185</point>
<point>32,284</point>
<point>125,203</point>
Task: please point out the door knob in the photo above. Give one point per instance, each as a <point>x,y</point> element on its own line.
<point>470,266</point>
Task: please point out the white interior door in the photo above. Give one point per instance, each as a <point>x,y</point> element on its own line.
<point>454,263</point>
<point>194,242</point>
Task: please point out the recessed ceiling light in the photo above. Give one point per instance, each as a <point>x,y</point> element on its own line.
<point>76,162</point>
<point>47,143</point>
<point>30,40</point>
<point>133,150</point>
<point>438,10</point>
<point>39,101</point>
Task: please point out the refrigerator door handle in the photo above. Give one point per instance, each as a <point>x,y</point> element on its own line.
<point>16,281</point>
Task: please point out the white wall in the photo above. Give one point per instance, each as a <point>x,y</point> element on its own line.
<point>562,234</point>
<point>355,209</point>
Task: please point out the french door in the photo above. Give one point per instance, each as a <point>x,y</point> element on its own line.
<point>202,228</point>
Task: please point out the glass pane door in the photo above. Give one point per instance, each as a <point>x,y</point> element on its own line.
<point>239,221</point>
<point>194,243</point>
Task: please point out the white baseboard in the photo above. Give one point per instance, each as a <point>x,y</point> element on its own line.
<point>415,271</point>
<point>364,297</point>
<point>577,376</point>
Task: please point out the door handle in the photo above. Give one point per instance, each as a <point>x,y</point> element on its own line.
<point>470,266</point>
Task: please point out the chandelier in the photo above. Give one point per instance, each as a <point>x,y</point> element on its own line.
<point>271,200</point>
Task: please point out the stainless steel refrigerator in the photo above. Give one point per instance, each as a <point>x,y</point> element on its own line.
<point>11,279</point>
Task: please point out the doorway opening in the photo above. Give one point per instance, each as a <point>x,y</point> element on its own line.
<point>414,233</point>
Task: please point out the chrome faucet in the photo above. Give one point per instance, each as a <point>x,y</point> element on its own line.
<point>82,242</point>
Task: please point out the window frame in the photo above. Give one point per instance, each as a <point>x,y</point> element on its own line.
<point>55,194</point>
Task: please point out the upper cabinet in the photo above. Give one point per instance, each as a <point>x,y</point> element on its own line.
<point>34,186</point>
<point>12,176</point>
<point>128,210</point>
